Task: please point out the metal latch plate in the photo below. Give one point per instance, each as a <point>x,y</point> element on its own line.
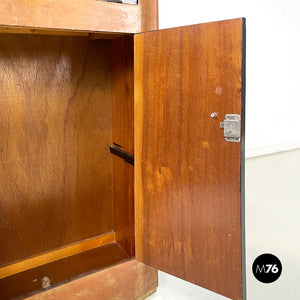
<point>232,128</point>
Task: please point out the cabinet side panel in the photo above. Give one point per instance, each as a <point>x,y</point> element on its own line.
<point>149,15</point>
<point>122,135</point>
<point>187,177</point>
<point>55,165</point>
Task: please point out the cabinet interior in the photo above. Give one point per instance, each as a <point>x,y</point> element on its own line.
<point>67,203</point>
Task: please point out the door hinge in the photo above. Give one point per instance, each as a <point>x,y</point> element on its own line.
<point>232,128</point>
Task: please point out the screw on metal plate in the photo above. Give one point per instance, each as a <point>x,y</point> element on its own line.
<point>232,128</point>
<point>214,115</point>
<point>45,281</point>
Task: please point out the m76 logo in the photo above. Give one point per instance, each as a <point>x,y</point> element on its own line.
<point>267,268</point>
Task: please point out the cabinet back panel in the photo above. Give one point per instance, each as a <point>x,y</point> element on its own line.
<point>55,166</point>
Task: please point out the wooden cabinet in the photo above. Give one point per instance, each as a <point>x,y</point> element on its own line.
<point>71,99</point>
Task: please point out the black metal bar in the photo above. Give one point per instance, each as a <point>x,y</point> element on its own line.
<point>122,1</point>
<point>123,154</point>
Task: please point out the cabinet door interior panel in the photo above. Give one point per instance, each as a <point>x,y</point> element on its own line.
<point>187,177</point>
<point>55,166</point>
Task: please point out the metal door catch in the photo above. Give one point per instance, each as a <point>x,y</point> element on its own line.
<point>232,128</point>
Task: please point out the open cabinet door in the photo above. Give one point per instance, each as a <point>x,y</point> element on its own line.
<point>188,177</point>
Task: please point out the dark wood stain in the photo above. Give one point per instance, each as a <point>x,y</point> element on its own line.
<point>187,177</point>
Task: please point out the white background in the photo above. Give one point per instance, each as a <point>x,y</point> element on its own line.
<point>272,125</point>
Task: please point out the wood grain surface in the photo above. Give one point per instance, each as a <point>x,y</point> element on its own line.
<point>148,15</point>
<point>122,135</point>
<point>187,177</point>
<point>91,35</point>
<point>57,254</point>
<point>73,15</point>
<point>55,132</point>
<point>61,270</point>
<point>126,281</point>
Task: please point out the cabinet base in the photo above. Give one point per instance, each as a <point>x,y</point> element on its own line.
<point>126,281</point>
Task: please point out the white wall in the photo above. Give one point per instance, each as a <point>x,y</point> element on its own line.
<point>273,63</point>
<point>273,222</point>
